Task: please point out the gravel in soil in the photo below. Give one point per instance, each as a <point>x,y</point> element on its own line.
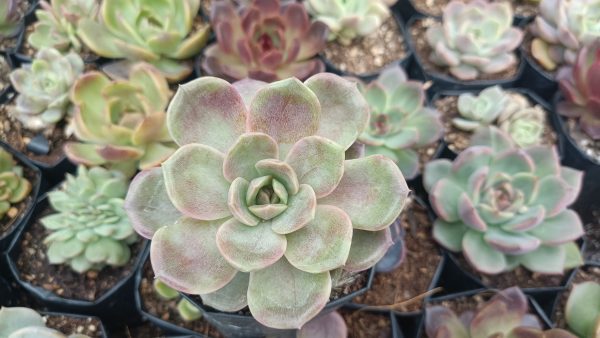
<point>4,72</point>
<point>584,142</point>
<point>11,43</point>
<point>362,324</point>
<point>70,325</point>
<point>423,50</point>
<point>414,276</point>
<point>584,274</point>
<point>592,236</point>
<point>435,7</point>
<point>17,211</point>
<point>370,53</point>
<point>34,268</point>
<point>167,309</point>
<point>458,139</point>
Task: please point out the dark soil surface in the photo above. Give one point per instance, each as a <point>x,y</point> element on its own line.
<point>583,141</point>
<point>70,325</point>
<point>4,72</point>
<point>585,274</point>
<point>362,324</point>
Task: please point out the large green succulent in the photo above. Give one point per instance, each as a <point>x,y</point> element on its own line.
<point>562,28</point>
<point>43,88</point>
<point>9,18</point>
<point>187,310</point>
<point>22,322</point>
<point>258,205</point>
<point>121,123</point>
<point>348,19</point>
<point>13,186</point>
<point>399,122</point>
<point>160,32</point>
<point>58,23</point>
<point>475,38</point>
<point>583,310</point>
<point>90,229</point>
<point>503,206</point>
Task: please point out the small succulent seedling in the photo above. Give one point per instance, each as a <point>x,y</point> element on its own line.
<point>521,121</point>
<point>22,322</point>
<point>583,310</point>
<point>90,229</point>
<point>14,188</point>
<point>579,85</point>
<point>158,32</point>
<point>9,18</point>
<point>502,206</point>
<point>475,38</point>
<point>504,315</point>
<point>121,123</point>
<point>349,19</point>
<point>187,310</point>
<point>480,110</point>
<point>43,88</point>
<point>400,123</point>
<point>258,205</point>
<point>264,40</point>
<point>58,23</point>
<point>562,28</point>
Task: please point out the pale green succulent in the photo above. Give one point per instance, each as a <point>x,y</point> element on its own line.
<point>480,110</point>
<point>9,19</point>
<point>43,88</point>
<point>22,322</point>
<point>349,19</point>
<point>91,229</point>
<point>159,32</point>
<point>523,122</point>
<point>13,186</point>
<point>186,309</point>
<point>583,310</point>
<point>58,21</point>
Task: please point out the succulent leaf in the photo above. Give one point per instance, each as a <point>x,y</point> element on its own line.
<point>22,322</point>
<point>14,188</point>
<point>10,19</point>
<point>583,309</point>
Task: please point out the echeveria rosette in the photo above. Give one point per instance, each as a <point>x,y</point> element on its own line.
<point>475,38</point>
<point>504,315</point>
<point>523,122</point>
<point>503,206</point>
<point>264,40</point>
<point>159,32</point>
<point>580,85</point>
<point>43,88</point>
<point>121,123</point>
<point>582,311</point>
<point>399,122</point>
<point>258,204</point>
<point>9,19</point>
<point>22,322</point>
<point>14,188</point>
<point>561,29</point>
<point>480,110</point>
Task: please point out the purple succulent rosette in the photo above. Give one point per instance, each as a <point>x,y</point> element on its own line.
<point>259,204</point>
<point>503,206</point>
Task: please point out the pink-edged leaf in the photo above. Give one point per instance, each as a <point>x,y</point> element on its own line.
<point>246,151</point>
<point>280,171</point>
<point>439,319</point>
<point>553,194</point>
<point>546,259</point>
<point>511,243</point>
<point>500,314</point>
<point>313,41</point>
<point>512,162</point>
<point>435,171</point>
<point>562,228</point>
<point>527,220</point>
<point>470,160</point>
<point>481,255</point>
<point>468,213</point>
<point>300,211</point>
<point>83,153</point>
<point>547,162</point>
<point>367,248</point>
<point>328,325</point>
<point>444,201</point>
<point>236,201</point>
<point>232,297</point>
<point>248,88</point>
<point>449,235</point>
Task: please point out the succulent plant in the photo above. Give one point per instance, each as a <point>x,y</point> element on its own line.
<point>523,122</point>
<point>187,310</point>
<point>504,315</point>
<point>579,85</point>
<point>159,32</point>
<point>503,206</point>
<point>121,123</point>
<point>399,122</point>
<point>58,21</point>
<point>480,110</point>
<point>43,88</point>
<point>583,310</point>
<point>9,18</point>
<point>14,188</point>
<point>474,38</point>
<point>264,40</point>
<point>562,28</point>
<point>349,19</point>
<point>329,325</point>
<point>90,229</point>
<point>22,322</point>
<point>259,205</point>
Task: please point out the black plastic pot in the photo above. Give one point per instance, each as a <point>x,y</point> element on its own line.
<point>117,303</point>
<point>7,237</point>
<point>537,79</point>
<point>102,330</point>
<point>442,82</point>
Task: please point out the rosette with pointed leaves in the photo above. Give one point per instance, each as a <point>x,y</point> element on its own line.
<point>22,322</point>
<point>583,310</point>
<point>562,28</point>
<point>159,32</point>
<point>43,88</point>
<point>480,110</point>
<point>579,85</point>
<point>57,23</point>
<point>504,315</point>
<point>503,206</point>
<point>264,40</point>
<point>475,38</point>
<point>121,123</point>
<point>90,229</point>
<point>13,186</point>
<point>399,122</point>
<point>9,18</point>
<point>523,122</point>
<point>259,205</point>
<point>348,19</point>
<point>187,311</point>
